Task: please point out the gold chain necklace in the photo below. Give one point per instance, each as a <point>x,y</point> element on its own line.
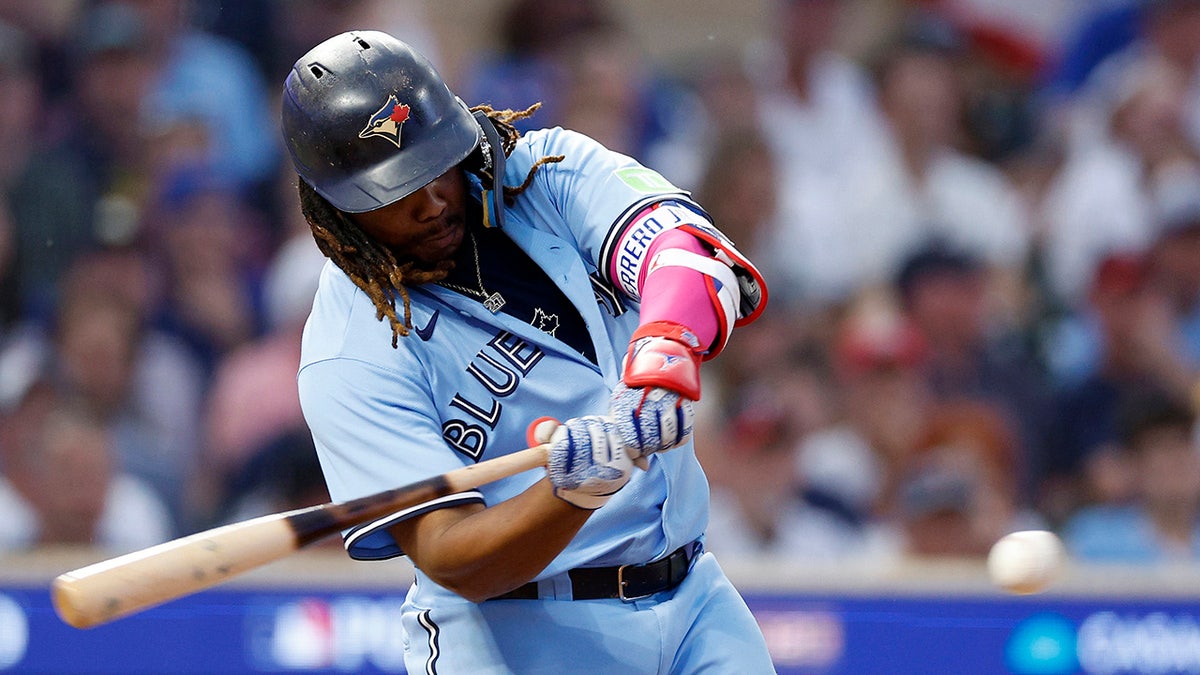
<point>492,301</point>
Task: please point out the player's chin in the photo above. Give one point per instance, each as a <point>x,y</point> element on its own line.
<point>442,243</point>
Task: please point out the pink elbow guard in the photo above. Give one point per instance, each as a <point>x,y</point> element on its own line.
<point>677,289</point>
<point>686,273</point>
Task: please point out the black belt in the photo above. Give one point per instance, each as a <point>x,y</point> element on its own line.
<point>627,582</point>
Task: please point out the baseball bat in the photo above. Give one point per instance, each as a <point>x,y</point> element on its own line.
<point>114,588</point>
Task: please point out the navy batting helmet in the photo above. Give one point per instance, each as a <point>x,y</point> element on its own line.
<point>369,121</point>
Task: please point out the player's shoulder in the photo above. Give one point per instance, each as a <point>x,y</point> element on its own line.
<point>344,323</point>
<point>538,143</point>
<point>547,135</point>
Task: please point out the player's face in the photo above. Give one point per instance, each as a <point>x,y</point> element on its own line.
<point>426,226</point>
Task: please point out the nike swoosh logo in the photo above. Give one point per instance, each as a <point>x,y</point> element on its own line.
<point>427,332</point>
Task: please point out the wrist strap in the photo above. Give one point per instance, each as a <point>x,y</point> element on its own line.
<point>670,330</point>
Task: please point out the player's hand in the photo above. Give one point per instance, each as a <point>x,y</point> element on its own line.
<point>652,406</point>
<point>650,419</point>
<point>588,462</point>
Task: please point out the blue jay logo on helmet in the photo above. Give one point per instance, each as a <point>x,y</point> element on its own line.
<point>387,121</point>
<point>369,85</point>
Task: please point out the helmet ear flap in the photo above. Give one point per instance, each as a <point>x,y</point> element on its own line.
<point>492,150</point>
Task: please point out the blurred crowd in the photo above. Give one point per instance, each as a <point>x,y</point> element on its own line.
<point>979,221</point>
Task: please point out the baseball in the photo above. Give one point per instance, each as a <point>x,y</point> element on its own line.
<point>1026,562</point>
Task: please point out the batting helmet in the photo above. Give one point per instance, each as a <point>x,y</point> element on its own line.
<point>369,121</point>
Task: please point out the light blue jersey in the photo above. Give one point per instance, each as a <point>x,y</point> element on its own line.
<point>463,386</point>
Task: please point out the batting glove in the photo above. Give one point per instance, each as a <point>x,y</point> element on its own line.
<point>587,461</point>
<point>651,419</point>
<point>652,406</point>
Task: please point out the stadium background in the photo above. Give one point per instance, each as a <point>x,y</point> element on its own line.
<point>319,613</point>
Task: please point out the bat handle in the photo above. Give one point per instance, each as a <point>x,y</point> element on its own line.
<point>475,475</point>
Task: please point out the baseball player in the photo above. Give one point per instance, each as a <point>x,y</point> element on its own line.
<point>482,285</point>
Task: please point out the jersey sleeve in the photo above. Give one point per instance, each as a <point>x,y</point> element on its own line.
<point>614,208</point>
<point>373,432</point>
<point>594,192</point>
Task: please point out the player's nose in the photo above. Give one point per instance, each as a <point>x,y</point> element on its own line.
<point>429,203</point>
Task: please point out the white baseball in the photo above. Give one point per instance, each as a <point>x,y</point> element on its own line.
<point>1026,562</point>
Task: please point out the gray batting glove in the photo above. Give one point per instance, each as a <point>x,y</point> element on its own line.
<point>588,462</point>
<point>650,419</point>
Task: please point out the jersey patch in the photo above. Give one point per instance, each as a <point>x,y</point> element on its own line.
<point>646,181</point>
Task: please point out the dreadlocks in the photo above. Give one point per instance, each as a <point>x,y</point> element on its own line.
<point>370,265</point>
<point>503,120</point>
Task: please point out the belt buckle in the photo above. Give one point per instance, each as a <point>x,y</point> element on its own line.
<point>621,586</point>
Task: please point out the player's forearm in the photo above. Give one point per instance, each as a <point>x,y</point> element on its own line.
<point>494,550</point>
<point>679,294</point>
